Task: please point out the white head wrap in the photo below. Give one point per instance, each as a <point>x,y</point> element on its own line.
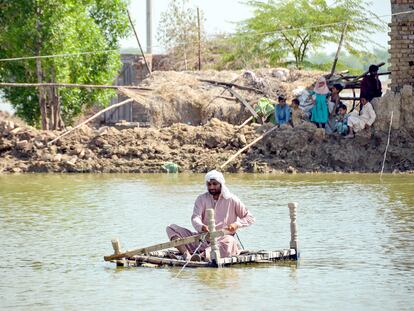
<point>216,175</point>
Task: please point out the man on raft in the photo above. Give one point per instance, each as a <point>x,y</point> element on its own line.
<point>230,214</point>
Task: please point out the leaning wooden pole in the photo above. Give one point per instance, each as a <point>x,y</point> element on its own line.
<point>199,38</point>
<point>248,146</point>
<point>139,43</point>
<point>341,41</point>
<point>90,119</point>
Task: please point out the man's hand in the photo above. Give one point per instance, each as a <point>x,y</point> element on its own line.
<point>367,126</point>
<point>204,228</point>
<point>232,228</point>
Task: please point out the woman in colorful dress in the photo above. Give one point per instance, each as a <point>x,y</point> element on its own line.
<point>320,110</point>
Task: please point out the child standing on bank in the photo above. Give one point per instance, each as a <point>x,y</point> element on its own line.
<point>320,110</point>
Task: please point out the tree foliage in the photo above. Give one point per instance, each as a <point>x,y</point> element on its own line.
<point>283,28</point>
<point>50,27</point>
<point>178,32</point>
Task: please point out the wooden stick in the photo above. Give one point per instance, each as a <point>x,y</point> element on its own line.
<point>244,102</point>
<point>88,86</point>
<point>173,243</point>
<point>90,119</point>
<point>245,123</point>
<point>227,97</point>
<point>248,146</point>
<point>339,49</point>
<point>232,84</point>
<point>199,38</point>
<point>139,44</point>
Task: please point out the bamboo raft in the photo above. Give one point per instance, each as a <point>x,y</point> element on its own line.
<point>159,255</point>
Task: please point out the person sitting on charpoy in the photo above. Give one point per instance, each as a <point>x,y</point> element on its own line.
<point>362,121</point>
<point>230,214</point>
<point>282,112</point>
<point>341,125</point>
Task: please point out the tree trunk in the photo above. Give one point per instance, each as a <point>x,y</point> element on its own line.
<point>39,74</point>
<point>42,95</point>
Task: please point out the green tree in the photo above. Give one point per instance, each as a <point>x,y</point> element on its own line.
<point>282,28</point>
<point>50,27</point>
<point>178,32</point>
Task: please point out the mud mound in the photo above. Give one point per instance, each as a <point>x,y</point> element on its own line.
<point>199,149</point>
<point>180,97</point>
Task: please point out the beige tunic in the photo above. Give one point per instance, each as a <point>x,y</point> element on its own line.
<point>367,116</point>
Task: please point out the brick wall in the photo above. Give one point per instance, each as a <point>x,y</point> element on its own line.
<point>402,45</point>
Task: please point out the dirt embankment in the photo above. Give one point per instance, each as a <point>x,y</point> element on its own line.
<point>199,149</point>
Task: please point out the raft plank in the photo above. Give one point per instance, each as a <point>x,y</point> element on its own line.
<point>173,243</point>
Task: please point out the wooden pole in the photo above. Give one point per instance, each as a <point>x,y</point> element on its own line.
<point>245,123</point>
<point>228,84</point>
<point>244,102</point>
<point>116,245</point>
<point>139,44</point>
<point>339,49</point>
<point>88,86</point>
<point>293,227</point>
<point>90,119</point>
<point>215,251</point>
<point>248,146</point>
<point>199,38</point>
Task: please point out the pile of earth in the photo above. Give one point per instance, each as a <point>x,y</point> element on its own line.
<point>182,97</point>
<point>199,149</point>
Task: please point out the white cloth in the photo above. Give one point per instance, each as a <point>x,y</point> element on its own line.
<point>217,176</point>
<point>321,89</point>
<point>367,116</point>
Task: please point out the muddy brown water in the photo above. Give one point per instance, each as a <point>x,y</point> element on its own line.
<point>356,236</point>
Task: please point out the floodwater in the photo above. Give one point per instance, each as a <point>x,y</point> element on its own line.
<point>356,237</point>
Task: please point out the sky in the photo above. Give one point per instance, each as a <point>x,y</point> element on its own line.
<point>221,16</point>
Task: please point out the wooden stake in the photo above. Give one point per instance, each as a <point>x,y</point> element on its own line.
<point>90,119</point>
<point>215,251</point>
<point>116,245</point>
<point>293,227</point>
<point>248,146</point>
